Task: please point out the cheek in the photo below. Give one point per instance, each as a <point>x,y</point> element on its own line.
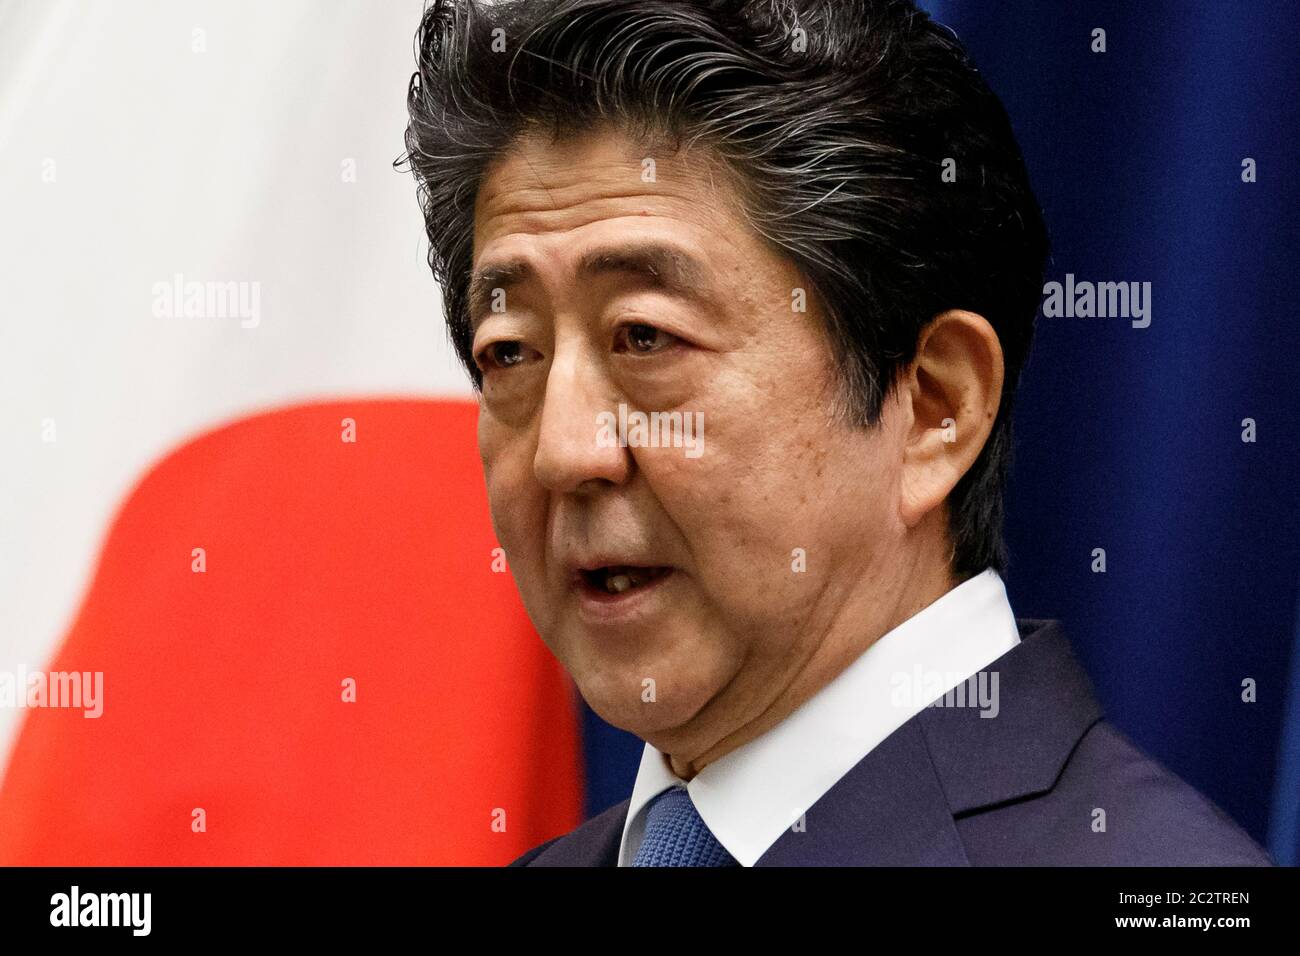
<point>738,522</point>
<point>767,516</point>
<point>518,520</point>
<point>515,501</point>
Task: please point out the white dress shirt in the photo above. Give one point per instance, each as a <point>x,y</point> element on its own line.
<point>750,796</point>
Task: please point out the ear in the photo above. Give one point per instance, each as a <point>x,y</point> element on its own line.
<point>953,388</point>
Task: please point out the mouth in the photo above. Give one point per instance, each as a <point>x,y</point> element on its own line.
<point>612,582</point>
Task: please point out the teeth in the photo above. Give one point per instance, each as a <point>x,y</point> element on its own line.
<point>620,578</point>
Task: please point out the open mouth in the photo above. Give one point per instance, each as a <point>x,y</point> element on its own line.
<point>621,578</point>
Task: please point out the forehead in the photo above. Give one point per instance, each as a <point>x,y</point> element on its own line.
<point>538,172</point>
<point>601,186</point>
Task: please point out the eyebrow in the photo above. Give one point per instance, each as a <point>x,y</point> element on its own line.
<point>653,263</point>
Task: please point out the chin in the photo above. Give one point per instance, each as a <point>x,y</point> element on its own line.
<point>616,698</point>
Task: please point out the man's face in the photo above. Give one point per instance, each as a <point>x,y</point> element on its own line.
<point>606,286</point>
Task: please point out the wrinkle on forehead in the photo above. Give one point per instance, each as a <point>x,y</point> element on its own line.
<point>539,174</point>
<point>545,198</point>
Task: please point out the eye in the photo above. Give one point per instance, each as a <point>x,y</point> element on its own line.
<point>641,339</point>
<point>500,355</point>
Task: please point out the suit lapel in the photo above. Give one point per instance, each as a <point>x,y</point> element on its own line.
<point>889,810</point>
<point>896,806</point>
<point>1045,704</point>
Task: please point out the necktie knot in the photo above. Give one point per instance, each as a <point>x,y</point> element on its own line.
<point>676,835</point>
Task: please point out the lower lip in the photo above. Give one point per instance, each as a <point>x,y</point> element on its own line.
<point>604,607</point>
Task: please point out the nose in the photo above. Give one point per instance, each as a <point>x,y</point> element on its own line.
<point>571,455</point>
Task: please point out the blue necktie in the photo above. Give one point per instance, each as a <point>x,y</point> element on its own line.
<point>676,835</point>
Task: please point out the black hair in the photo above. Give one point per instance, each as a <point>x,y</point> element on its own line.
<point>839,119</point>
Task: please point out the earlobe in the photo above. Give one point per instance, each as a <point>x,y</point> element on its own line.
<point>954,388</point>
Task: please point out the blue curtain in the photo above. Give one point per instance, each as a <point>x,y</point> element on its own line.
<point>1129,439</point>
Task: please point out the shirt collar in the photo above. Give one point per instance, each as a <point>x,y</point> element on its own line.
<point>750,796</point>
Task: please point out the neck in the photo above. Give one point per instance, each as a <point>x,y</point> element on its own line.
<point>876,605</point>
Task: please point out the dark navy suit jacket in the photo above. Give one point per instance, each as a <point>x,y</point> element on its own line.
<point>952,788</point>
